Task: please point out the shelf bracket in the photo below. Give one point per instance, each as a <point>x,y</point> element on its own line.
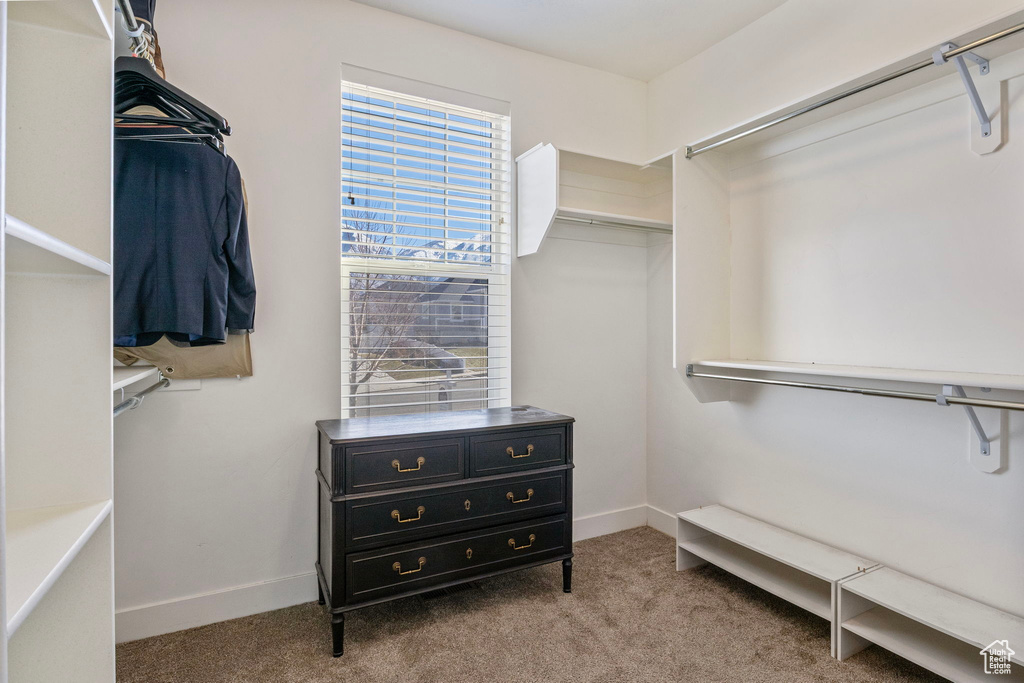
<point>939,57</point>
<point>957,390</point>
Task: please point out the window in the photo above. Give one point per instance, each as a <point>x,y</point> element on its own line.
<point>425,239</point>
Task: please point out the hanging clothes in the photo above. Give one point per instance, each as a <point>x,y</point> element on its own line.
<point>144,10</point>
<point>182,265</point>
<point>233,358</point>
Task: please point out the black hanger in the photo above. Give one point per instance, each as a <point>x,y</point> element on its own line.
<point>173,113</point>
<point>133,76</point>
<point>136,83</point>
<point>186,138</point>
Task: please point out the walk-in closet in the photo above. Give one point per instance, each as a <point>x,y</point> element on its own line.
<point>617,341</point>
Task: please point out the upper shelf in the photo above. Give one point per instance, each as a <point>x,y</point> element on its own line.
<point>84,17</point>
<point>33,251</point>
<point>896,77</point>
<point>128,375</point>
<point>968,379</point>
<point>556,184</point>
<point>41,543</point>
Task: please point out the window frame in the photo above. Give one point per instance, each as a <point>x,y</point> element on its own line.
<point>498,392</point>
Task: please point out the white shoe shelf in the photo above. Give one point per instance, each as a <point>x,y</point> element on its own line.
<point>932,627</point>
<point>865,603</point>
<point>795,568</point>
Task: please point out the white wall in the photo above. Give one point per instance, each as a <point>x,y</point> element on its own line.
<point>215,488</point>
<point>890,245</point>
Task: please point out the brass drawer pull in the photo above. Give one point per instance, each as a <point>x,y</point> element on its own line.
<point>511,496</point>
<point>529,451</point>
<point>512,543</point>
<point>397,566</point>
<point>395,514</point>
<point>419,464</point>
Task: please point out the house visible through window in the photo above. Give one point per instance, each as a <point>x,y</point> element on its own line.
<point>425,255</point>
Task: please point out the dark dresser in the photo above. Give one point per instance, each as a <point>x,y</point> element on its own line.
<point>414,503</point>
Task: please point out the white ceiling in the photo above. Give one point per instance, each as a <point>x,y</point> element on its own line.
<point>637,38</point>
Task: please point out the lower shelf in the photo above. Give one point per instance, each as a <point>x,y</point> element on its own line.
<point>41,543</point>
<point>927,647</point>
<point>126,376</point>
<point>802,589</point>
<point>70,634</point>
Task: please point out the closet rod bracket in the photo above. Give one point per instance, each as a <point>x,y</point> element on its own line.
<point>939,57</point>
<point>957,390</point>
<point>135,401</point>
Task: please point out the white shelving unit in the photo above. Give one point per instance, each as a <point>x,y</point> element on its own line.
<point>797,569</point>
<point>934,628</point>
<point>580,189</point>
<point>56,479</point>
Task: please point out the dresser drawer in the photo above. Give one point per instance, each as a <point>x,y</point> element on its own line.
<point>407,463</point>
<point>518,450</point>
<point>404,516</point>
<point>376,574</point>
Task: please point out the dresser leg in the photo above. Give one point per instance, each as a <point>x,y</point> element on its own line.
<point>338,632</point>
<point>320,594</point>
<point>567,576</point>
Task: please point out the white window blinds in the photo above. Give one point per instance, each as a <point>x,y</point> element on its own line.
<point>425,255</point>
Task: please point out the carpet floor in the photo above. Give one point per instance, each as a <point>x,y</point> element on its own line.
<point>631,617</point>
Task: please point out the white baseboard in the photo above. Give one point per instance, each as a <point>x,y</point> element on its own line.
<point>198,610</point>
<point>665,522</point>
<point>208,608</point>
<point>608,522</point>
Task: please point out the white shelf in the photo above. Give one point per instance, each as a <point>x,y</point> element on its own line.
<point>41,543</point>
<point>33,251</point>
<point>126,376</point>
<point>615,169</point>
<point>935,608</point>
<point>558,184</point>
<point>969,379</point>
<point>817,559</point>
<point>618,219</point>
<point>935,651</point>
<point>799,588</point>
<point>84,17</point>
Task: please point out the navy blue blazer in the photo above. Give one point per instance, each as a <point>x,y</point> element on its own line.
<point>181,244</point>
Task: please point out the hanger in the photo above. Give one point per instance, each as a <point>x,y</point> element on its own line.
<point>136,84</point>
<point>135,77</point>
<point>184,138</point>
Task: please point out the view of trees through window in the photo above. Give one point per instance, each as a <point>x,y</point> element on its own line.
<point>424,254</point>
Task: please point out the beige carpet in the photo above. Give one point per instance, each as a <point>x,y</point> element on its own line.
<point>631,617</point>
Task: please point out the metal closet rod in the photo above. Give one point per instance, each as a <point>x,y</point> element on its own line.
<point>136,400</point>
<point>939,399</point>
<point>612,224</point>
<point>697,148</point>
<point>128,14</point>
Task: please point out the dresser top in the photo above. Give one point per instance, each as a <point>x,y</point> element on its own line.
<point>420,424</point>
